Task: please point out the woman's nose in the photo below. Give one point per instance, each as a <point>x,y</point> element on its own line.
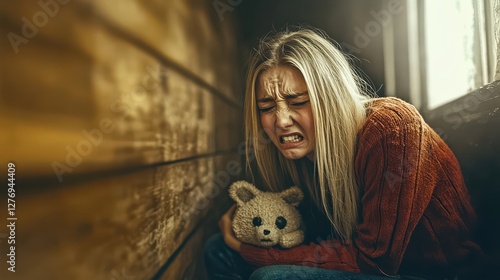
<point>283,118</point>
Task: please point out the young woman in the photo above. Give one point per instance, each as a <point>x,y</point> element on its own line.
<point>389,188</point>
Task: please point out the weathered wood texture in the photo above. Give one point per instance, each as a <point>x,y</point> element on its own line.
<point>123,119</point>
<point>470,126</point>
<point>189,264</point>
<point>132,222</point>
<point>123,70</point>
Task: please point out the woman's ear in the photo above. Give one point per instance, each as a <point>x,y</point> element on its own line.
<point>242,192</point>
<point>292,196</point>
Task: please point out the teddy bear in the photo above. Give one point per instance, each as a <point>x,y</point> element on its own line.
<point>267,218</point>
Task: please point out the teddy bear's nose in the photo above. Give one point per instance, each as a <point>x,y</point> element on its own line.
<point>266,232</point>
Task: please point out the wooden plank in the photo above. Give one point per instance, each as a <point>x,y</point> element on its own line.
<point>106,108</point>
<point>83,77</point>
<point>229,128</point>
<point>189,33</point>
<point>84,94</point>
<point>131,223</point>
<point>186,120</point>
<point>74,86</point>
<point>188,264</point>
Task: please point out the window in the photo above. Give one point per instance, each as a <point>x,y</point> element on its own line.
<point>458,48</point>
<point>438,51</point>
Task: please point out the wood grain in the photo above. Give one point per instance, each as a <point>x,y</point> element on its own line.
<point>189,264</point>
<point>135,105</point>
<point>116,108</point>
<point>77,73</point>
<point>193,36</point>
<point>133,222</point>
<point>73,116</point>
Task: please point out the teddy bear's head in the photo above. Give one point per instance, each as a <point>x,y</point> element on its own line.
<point>266,218</point>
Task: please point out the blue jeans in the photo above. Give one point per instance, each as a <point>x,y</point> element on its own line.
<point>294,272</point>
<point>223,263</point>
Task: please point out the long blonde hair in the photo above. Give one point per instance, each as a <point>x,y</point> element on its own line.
<point>339,109</point>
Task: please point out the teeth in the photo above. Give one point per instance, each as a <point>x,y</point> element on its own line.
<point>292,138</point>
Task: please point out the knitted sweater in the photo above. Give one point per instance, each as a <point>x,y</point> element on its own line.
<point>415,213</point>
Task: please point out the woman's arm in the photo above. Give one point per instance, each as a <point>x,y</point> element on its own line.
<point>227,230</point>
<point>329,254</point>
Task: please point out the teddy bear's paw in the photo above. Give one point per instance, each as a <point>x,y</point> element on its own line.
<point>292,239</point>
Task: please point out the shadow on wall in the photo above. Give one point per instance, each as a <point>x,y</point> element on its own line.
<point>470,126</point>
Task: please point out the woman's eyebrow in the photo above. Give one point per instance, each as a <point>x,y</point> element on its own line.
<point>265,99</point>
<point>294,94</point>
<point>286,95</point>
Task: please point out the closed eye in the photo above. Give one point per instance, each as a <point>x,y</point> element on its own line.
<point>264,110</point>
<point>300,104</point>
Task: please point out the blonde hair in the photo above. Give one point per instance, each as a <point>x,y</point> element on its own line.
<point>339,110</point>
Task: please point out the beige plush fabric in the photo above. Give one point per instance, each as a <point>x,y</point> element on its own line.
<point>265,218</point>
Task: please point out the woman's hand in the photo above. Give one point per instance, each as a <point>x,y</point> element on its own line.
<point>227,230</point>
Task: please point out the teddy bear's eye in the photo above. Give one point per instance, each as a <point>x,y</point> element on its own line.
<point>257,221</point>
<point>281,222</point>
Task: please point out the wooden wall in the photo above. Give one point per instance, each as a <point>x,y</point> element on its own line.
<point>123,119</point>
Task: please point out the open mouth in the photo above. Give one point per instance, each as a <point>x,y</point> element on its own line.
<point>266,240</point>
<point>291,138</point>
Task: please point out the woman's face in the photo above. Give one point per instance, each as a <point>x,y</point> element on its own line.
<point>285,111</point>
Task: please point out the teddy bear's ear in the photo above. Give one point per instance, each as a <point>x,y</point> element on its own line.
<point>292,196</point>
<point>242,192</point>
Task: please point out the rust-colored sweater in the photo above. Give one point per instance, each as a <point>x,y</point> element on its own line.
<point>416,217</point>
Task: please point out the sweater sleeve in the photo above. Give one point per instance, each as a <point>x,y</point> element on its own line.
<point>329,254</point>
<point>396,181</point>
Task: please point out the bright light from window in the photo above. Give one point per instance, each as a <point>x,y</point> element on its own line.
<point>453,47</point>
